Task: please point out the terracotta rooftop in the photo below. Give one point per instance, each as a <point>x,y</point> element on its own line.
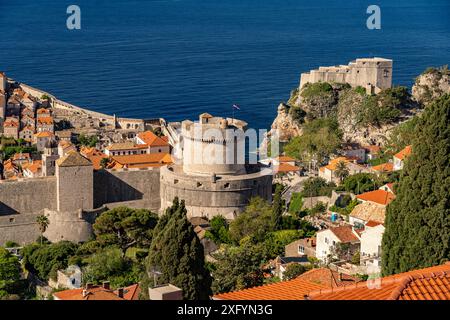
<point>369,211</point>
<point>43,111</point>
<point>125,146</point>
<point>141,160</point>
<point>328,278</point>
<point>344,234</point>
<point>295,289</point>
<point>73,159</point>
<point>373,149</point>
<point>152,139</point>
<point>45,120</point>
<point>44,134</point>
<point>372,223</point>
<point>334,162</point>
<point>377,196</point>
<point>384,167</point>
<point>286,167</point>
<point>424,284</point>
<point>99,293</point>
<point>285,159</point>
<point>404,153</point>
<point>94,155</point>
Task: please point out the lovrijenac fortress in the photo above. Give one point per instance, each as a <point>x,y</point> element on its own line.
<point>373,74</point>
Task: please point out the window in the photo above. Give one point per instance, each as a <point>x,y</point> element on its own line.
<point>226,185</point>
<point>175,181</point>
<point>326,240</point>
<point>301,249</point>
<point>386,73</point>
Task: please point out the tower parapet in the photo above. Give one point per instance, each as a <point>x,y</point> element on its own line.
<point>213,145</point>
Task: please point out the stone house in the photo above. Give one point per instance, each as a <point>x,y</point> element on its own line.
<point>125,149</point>
<point>42,139</point>
<point>27,121</point>
<point>328,241</point>
<point>11,128</point>
<point>45,124</point>
<point>301,247</point>
<point>26,133</point>
<point>33,169</point>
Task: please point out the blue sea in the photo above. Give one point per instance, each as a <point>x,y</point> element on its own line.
<point>178,58</point>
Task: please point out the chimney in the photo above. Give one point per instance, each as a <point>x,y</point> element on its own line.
<point>106,285</point>
<point>120,293</point>
<point>340,276</point>
<point>85,293</point>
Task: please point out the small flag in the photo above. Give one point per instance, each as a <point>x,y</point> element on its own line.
<point>235,106</point>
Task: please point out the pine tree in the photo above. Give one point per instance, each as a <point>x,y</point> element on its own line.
<point>277,208</point>
<point>176,252</point>
<point>417,224</point>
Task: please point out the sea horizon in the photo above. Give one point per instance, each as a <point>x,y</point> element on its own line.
<point>177,59</point>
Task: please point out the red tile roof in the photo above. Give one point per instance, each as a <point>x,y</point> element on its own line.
<point>344,234</point>
<point>141,160</point>
<point>152,139</point>
<point>286,167</point>
<point>384,167</point>
<point>328,278</point>
<point>99,293</point>
<point>295,289</point>
<point>404,153</point>
<point>372,223</point>
<point>378,196</point>
<point>424,284</point>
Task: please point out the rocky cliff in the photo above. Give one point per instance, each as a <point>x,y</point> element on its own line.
<point>431,84</point>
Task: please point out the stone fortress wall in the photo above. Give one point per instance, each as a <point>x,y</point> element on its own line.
<point>113,121</point>
<point>23,200</point>
<point>373,74</point>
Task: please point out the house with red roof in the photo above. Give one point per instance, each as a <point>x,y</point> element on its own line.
<point>155,144</point>
<point>399,158</point>
<point>103,292</point>
<point>378,196</point>
<point>329,240</point>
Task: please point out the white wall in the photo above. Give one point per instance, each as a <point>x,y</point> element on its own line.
<point>371,240</point>
<point>325,241</point>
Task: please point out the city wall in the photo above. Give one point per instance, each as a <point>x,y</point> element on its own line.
<point>136,188</point>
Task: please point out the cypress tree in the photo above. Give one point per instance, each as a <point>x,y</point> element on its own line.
<point>178,254</point>
<point>417,222</point>
<point>277,208</point>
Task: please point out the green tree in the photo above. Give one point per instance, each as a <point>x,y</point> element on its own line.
<point>238,268</point>
<point>9,272</point>
<point>341,170</point>
<point>360,182</point>
<point>320,138</point>
<point>178,254</point>
<point>43,223</point>
<point>277,209</point>
<point>254,222</point>
<point>219,232</point>
<point>314,187</point>
<point>45,260</point>
<point>293,271</point>
<point>125,227</point>
<point>111,264</point>
<point>105,162</point>
<point>417,224</point>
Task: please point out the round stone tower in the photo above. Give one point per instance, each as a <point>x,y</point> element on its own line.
<point>213,178</point>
